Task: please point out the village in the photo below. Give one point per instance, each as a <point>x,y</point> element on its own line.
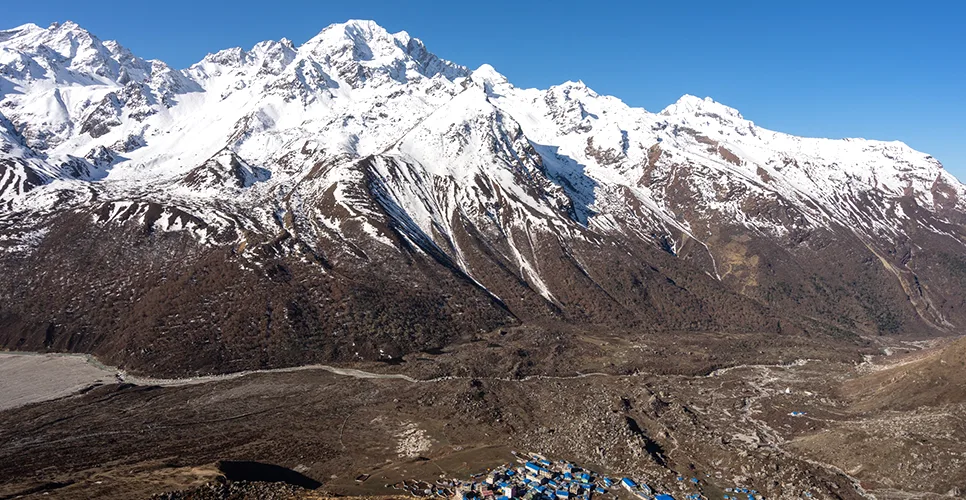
<point>534,477</point>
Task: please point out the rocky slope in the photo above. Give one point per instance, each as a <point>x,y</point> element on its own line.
<point>357,197</point>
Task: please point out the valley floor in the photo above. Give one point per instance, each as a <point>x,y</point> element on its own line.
<point>788,427</point>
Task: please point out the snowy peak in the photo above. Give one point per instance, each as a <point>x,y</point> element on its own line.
<point>693,105</point>
<point>356,53</point>
<point>58,36</point>
<point>274,54</point>
<point>23,30</point>
<point>69,53</point>
<point>491,80</point>
<point>360,40</point>
<point>358,32</point>
<point>360,51</point>
<point>270,57</point>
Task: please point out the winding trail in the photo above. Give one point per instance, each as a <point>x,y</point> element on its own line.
<point>111,371</point>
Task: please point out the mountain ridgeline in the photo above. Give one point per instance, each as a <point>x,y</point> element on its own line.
<point>358,198</point>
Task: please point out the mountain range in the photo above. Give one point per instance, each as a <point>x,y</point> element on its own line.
<point>357,197</point>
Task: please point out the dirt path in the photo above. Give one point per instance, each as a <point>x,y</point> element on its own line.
<point>29,364</point>
<point>83,370</point>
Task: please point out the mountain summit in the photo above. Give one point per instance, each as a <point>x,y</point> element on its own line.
<point>358,197</point>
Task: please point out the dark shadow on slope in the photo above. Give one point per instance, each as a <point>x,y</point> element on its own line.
<point>93,167</point>
<point>268,473</point>
<point>655,450</point>
<point>571,176</point>
<point>8,88</point>
<point>43,489</point>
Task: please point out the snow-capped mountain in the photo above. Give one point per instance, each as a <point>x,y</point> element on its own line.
<point>357,196</point>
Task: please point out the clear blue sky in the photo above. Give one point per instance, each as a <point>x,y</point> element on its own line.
<point>849,68</point>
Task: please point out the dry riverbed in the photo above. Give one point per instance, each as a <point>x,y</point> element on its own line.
<point>32,378</point>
